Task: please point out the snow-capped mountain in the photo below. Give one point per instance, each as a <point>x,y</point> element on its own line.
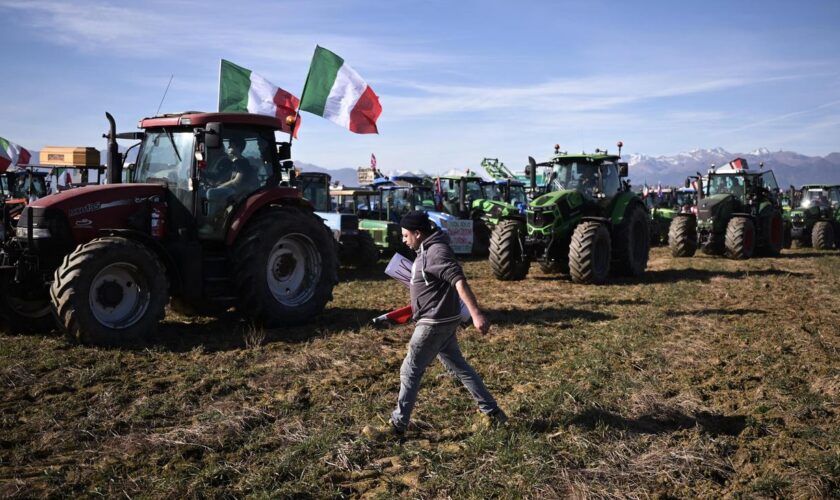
<point>790,168</point>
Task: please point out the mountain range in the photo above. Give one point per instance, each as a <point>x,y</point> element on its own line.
<point>790,168</point>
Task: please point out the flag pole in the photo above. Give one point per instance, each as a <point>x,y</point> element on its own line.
<point>302,95</point>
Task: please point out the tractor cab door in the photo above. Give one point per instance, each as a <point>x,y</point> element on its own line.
<point>244,163</point>
<point>610,183</point>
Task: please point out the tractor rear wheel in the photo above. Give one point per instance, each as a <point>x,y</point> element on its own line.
<point>775,240</point>
<point>589,253</point>
<point>366,253</point>
<point>682,236</point>
<point>507,251</point>
<point>631,243</point>
<point>110,291</point>
<point>285,267</point>
<point>740,238</point>
<point>822,235</point>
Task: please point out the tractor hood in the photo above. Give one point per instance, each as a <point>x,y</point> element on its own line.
<point>99,206</point>
<point>570,197</point>
<point>708,207</point>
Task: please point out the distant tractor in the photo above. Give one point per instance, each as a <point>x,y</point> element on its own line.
<point>355,247</point>
<point>205,219</point>
<point>738,215</point>
<point>362,203</point>
<point>664,207</point>
<point>464,197</point>
<point>588,223</point>
<point>816,221</point>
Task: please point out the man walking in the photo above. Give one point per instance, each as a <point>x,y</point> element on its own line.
<point>437,281</point>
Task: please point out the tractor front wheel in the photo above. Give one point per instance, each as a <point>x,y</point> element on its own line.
<point>507,252</point>
<point>589,253</point>
<point>110,291</point>
<point>682,236</point>
<point>481,238</point>
<point>285,267</point>
<point>631,243</point>
<point>740,238</point>
<point>822,235</point>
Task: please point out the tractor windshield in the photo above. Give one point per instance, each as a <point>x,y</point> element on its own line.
<point>685,198</point>
<point>28,186</point>
<point>726,184</point>
<point>316,189</point>
<point>517,194</point>
<point>578,176</point>
<point>492,192</point>
<point>815,197</point>
<point>166,156</point>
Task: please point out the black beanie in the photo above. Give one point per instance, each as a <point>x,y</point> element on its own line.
<point>416,220</point>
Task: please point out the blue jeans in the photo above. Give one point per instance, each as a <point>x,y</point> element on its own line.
<point>427,342</point>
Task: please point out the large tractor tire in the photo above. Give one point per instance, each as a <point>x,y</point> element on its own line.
<point>111,291</point>
<point>589,253</point>
<point>285,267</point>
<point>631,243</point>
<point>481,238</point>
<point>366,253</point>
<point>775,240</point>
<point>740,238</point>
<point>682,236</point>
<point>507,253</point>
<point>22,314</point>
<point>822,235</point>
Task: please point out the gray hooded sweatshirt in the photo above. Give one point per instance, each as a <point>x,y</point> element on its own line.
<point>434,299</point>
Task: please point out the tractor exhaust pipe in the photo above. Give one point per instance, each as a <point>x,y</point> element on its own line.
<point>462,198</point>
<point>113,161</point>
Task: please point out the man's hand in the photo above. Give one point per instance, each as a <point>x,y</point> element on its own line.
<point>481,323</point>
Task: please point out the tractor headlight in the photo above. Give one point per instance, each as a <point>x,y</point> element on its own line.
<point>37,232</point>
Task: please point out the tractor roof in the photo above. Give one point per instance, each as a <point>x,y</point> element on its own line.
<point>193,118</point>
<point>737,166</point>
<point>349,191</point>
<point>593,158</point>
<point>819,186</point>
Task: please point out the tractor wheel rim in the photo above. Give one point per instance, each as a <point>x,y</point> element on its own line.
<point>293,270</point>
<point>119,295</point>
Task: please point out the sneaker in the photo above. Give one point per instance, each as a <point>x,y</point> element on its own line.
<point>493,420</point>
<point>383,432</point>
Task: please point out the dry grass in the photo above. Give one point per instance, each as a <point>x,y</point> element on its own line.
<point>711,378</point>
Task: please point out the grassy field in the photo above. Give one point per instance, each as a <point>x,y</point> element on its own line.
<point>709,378</point>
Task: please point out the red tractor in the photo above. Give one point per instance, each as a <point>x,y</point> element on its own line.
<point>205,216</point>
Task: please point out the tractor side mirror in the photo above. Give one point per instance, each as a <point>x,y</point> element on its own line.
<point>213,135</point>
<point>623,169</point>
<point>687,182</point>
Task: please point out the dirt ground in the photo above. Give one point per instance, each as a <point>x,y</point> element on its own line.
<point>708,378</point>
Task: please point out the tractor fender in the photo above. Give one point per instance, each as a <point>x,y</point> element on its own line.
<point>172,269</point>
<point>603,220</point>
<point>284,196</point>
<point>621,204</point>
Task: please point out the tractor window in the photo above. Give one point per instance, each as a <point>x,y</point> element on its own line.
<point>424,198</point>
<point>474,191</point>
<point>579,176</point>
<point>517,194</point>
<point>317,191</point>
<point>768,180</point>
<point>609,178</point>
<point>166,156</point>
<point>815,197</point>
<point>491,191</point>
<point>834,195</point>
<point>726,184</point>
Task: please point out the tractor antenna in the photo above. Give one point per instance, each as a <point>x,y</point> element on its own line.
<point>164,93</point>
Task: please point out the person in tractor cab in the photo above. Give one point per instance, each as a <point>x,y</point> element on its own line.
<point>230,177</point>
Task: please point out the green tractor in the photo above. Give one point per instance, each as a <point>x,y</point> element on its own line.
<point>463,196</point>
<point>816,222</point>
<point>587,223</point>
<point>664,205</point>
<point>363,203</point>
<point>355,247</point>
<point>506,197</point>
<point>738,215</point>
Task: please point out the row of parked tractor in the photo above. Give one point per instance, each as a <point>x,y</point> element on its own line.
<point>210,214</point>
<point>808,216</point>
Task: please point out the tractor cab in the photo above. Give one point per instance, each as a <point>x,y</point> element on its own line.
<point>458,193</point>
<point>364,203</point>
<point>747,188</point>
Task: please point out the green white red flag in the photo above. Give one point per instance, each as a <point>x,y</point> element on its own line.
<point>12,154</point>
<point>336,92</point>
<point>242,90</point>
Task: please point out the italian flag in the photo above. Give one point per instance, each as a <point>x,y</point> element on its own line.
<point>335,91</point>
<point>12,154</point>
<point>242,90</point>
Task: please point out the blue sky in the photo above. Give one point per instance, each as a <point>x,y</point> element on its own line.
<point>458,80</point>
